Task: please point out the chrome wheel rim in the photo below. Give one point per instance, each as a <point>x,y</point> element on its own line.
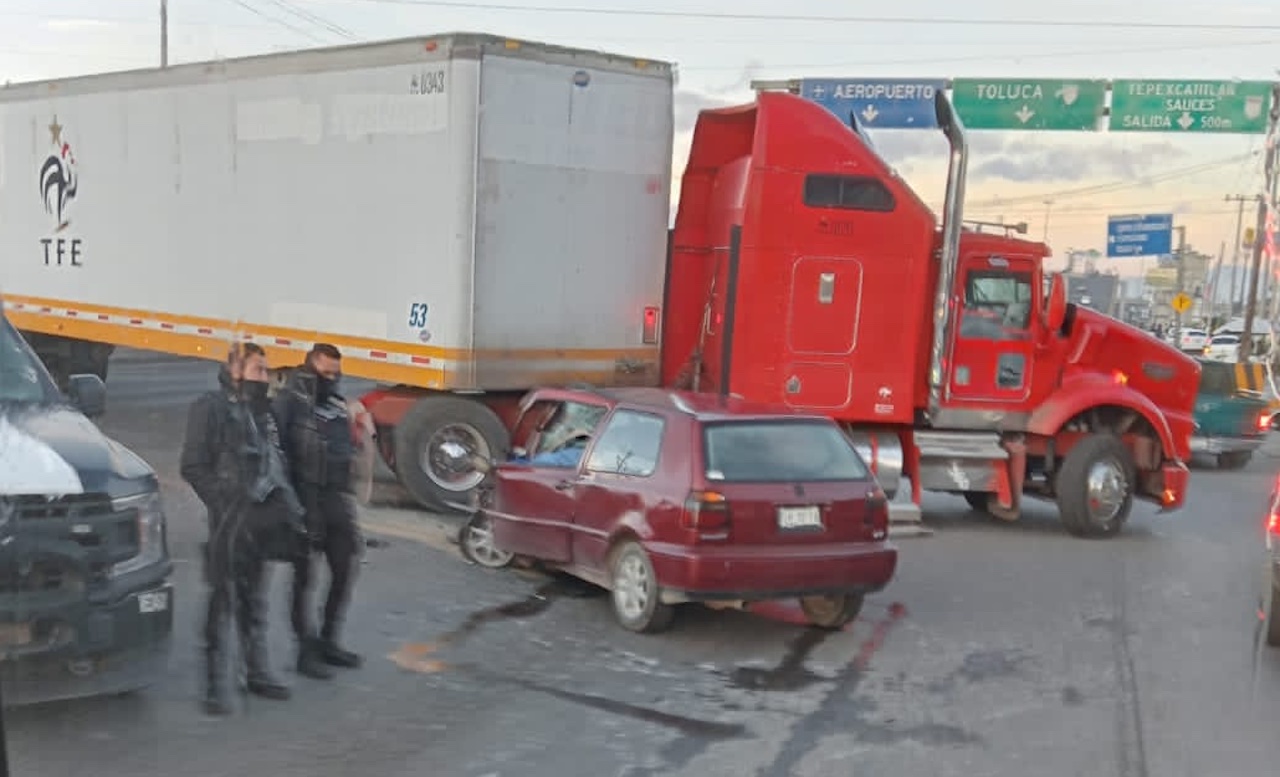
<point>1106,490</point>
<point>446,457</point>
<point>480,546</point>
<point>632,587</point>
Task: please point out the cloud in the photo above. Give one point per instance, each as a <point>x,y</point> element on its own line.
<point>72,25</point>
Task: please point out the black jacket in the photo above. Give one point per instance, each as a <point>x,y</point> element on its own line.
<point>316,434</point>
<point>230,455</point>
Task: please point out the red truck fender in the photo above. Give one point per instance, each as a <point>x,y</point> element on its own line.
<point>1079,394</point>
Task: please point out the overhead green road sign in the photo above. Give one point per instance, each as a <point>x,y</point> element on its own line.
<point>1190,106</point>
<point>1017,104</point>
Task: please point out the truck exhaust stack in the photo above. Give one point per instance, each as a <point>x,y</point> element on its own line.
<point>952,222</point>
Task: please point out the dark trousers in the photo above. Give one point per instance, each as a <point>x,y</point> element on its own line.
<point>331,513</point>
<point>235,569</point>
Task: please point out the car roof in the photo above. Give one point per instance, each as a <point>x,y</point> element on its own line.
<point>700,405</point>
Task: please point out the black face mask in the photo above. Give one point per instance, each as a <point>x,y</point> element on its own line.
<point>255,393</point>
<point>326,387</point>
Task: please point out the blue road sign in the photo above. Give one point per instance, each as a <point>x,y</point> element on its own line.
<point>1147,235</point>
<point>885,103</point>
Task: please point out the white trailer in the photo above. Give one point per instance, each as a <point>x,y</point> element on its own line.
<point>460,214</point>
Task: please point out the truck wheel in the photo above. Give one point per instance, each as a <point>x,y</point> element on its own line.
<point>1234,459</point>
<point>633,586</point>
<point>1095,487</point>
<point>434,444</point>
<point>831,612</point>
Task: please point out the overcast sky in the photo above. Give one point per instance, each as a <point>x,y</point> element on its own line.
<point>717,57</point>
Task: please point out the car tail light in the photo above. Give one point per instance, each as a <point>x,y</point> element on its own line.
<point>877,512</point>
<point>650,333</point>
<point>706,512</point>
<point>1264,422</point>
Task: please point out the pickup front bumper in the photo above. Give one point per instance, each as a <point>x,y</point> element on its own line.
<point>55,647</point>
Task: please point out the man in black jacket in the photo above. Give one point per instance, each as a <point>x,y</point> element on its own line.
<point>234,462</point>
<point>318,438</point>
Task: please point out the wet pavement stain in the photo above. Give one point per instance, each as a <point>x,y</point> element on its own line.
<point>790,674</point>
<point>415,656</point>
<point>981,666</point>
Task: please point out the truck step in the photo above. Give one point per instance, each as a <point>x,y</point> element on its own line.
<point>959,461</point>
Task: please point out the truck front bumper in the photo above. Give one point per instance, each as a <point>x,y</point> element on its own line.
<point>55,650</point>
<point>1216,445</point>
<point>1175,478</point>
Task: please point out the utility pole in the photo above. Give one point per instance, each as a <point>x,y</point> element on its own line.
<point>1048,206</point>
<point>164,33</point>
<point>1259,239</point>
<point>1211,291</point>
<point>1182,249</point>
<point>1237,287</point>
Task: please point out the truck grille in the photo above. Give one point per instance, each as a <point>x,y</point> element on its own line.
<point>65,545</point>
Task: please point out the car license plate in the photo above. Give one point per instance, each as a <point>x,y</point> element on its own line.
<point>799,518</point>
<point>157,601</point>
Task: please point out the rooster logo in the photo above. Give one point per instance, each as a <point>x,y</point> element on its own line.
<point>58,179</point>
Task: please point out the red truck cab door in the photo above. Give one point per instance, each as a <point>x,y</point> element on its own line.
<point>994,341</point>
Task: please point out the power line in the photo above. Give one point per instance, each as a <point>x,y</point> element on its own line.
<point>1115,186</point>
<point>824,18</point>
<point>281,22</point>
<point>997,56</point>
<point>315,19</point>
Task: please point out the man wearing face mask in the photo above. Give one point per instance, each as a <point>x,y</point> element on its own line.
<point>233,460</point>
<point>317,432</point>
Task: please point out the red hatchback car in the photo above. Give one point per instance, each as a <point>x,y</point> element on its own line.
<point>666,497</point>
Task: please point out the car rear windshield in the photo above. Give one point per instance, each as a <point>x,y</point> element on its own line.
<point>779,451</point>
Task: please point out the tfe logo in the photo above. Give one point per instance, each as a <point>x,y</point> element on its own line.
<point>59,183</point>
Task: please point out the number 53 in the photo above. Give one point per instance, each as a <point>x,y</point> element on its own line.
<point>418,315</point>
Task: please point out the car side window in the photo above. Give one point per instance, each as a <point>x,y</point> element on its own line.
<point>629,445</point>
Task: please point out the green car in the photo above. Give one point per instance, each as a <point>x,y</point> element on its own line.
<point>1232,416</point>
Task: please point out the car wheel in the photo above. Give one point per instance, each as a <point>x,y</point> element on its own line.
<point>1271,615</point>
<point>1095,486</point>
<point>476,544</point>
<point>831,612</point>
<point>635,593</point>
<point>1234,459</point>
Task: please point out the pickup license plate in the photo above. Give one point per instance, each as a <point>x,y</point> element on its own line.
<point>791,518</point>
<point>157,601</point>
<point>14,635</point>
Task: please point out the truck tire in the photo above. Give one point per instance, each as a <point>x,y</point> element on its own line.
<point>434,443</point>
<point>1234,459</point>
<point>976,499</point>
<point>1095,486</point>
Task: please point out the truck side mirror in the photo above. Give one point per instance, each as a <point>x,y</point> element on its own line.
<point>88,394</point>
<point>1055,309</point>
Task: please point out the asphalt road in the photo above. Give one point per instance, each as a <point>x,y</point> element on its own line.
<point>998,650</point>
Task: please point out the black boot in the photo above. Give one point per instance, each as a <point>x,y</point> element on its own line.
<point>336,656</point>
<point>215,688</point>
<point>260,681</point>
<point>311,661</point>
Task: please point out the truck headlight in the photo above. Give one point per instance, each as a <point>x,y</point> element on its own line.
<point>151,532</point>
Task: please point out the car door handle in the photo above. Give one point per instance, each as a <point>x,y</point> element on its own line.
<point>564,485</point>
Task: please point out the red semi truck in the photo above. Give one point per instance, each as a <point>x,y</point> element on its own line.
<point>470,216</point>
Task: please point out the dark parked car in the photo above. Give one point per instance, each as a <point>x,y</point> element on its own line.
<point>86,606</point>
<point>666,497</point>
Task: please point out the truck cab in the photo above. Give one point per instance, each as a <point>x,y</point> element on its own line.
<point>804,270</point>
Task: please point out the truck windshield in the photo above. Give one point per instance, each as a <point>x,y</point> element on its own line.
<point>22,377</point>
<point>783,451</point>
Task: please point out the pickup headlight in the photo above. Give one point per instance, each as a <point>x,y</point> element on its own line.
<point>151,532</point>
